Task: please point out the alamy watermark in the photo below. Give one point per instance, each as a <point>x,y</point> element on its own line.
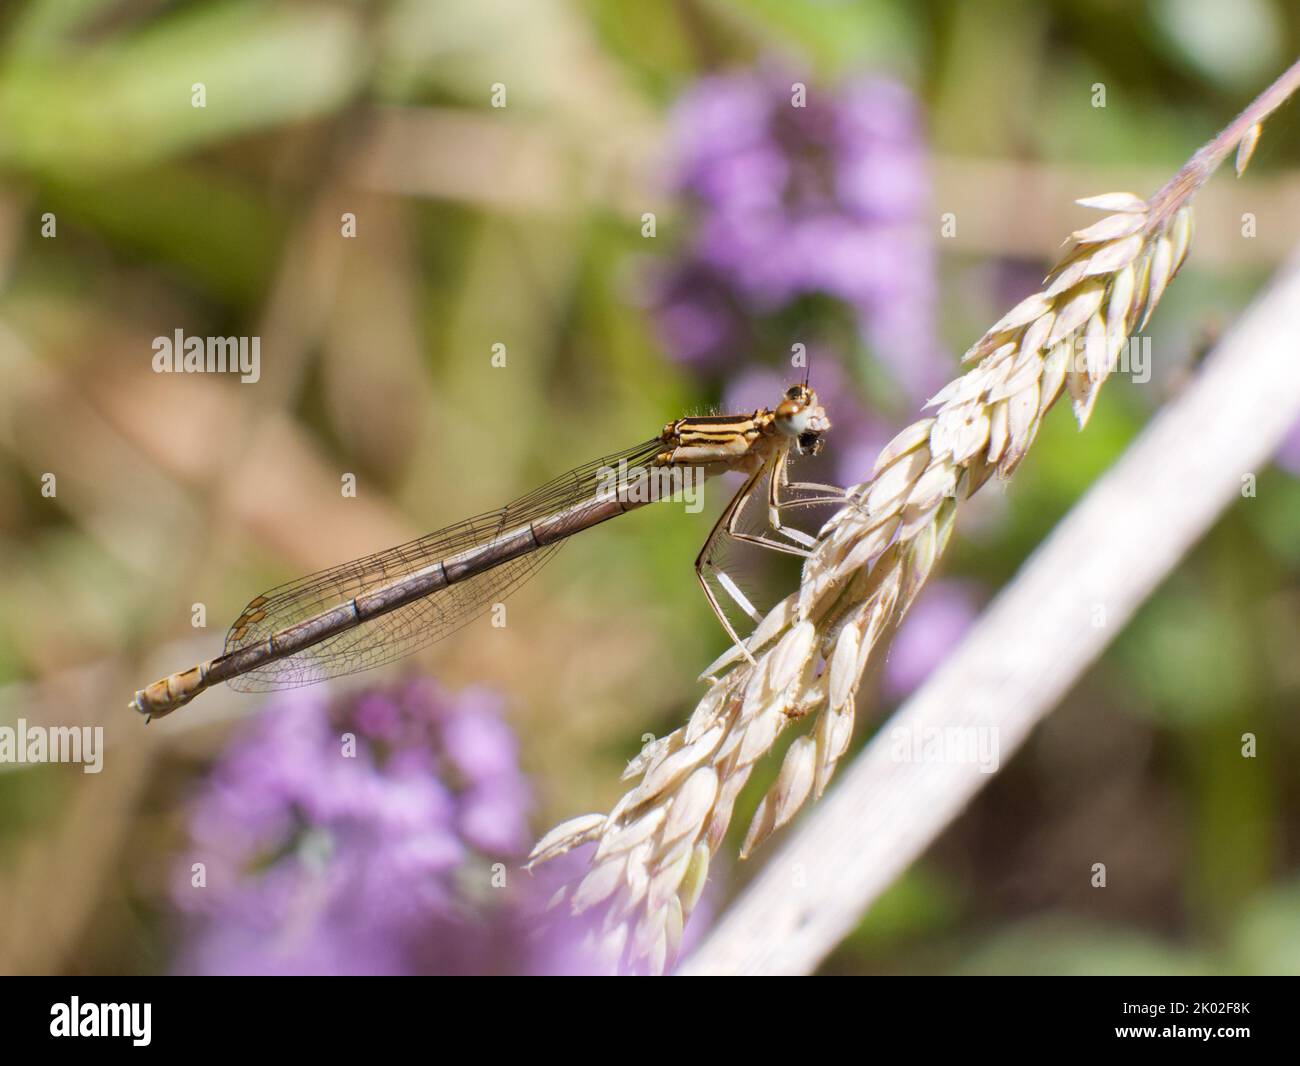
<point>640,484</point>
<point>23,743</point>
<point>951,745</point>
<point>179,354</point>
<point>75,1018</point>
<point>1093,354</point>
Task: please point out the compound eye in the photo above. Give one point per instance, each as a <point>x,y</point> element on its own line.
<point>795,392</point>
<point>810,442</point>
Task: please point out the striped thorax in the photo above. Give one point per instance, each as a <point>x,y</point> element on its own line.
<point>745,442</point>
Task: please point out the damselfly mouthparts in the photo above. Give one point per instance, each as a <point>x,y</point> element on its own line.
<point>385,606</point>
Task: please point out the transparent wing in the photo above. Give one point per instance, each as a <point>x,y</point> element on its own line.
<point>398,633</point>
<point>414,625</point>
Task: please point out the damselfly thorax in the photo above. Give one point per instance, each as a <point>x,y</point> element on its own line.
<point>375,610</point>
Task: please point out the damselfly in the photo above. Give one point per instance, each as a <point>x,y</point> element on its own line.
<point>374,610</point>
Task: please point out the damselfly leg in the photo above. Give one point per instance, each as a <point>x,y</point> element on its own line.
<point>727,526</point>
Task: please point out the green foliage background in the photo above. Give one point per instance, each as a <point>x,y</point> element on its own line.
<point>477,225</point>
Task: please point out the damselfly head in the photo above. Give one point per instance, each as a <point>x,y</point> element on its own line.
<point>799,415</point>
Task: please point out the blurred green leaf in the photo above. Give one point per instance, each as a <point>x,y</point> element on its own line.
<point>215,232</point>
<point>839,36</point>
<point>1058,946</point>
<point>1274,514</point>
<point>1186,657</point>
<point>1237,51</point>
<point>1267,939</point>
<point>46,25</point>
<point>920,902</point>
<point>126,103</point>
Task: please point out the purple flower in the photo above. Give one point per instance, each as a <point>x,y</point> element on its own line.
<point>933,627</point>
<point>379,835</point>
<point>589,944</point>
<point>1288,456</point>
<point>699,316</point>
<point>828,198</point>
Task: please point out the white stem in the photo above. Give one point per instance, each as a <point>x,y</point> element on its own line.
<point>1029,647</point>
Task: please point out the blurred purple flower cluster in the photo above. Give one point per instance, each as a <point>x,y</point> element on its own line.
<point>1289,454</point>
<point>827,199</point>
<point>934,625</point>
<point>378,836</point>
<point>802,195</point>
